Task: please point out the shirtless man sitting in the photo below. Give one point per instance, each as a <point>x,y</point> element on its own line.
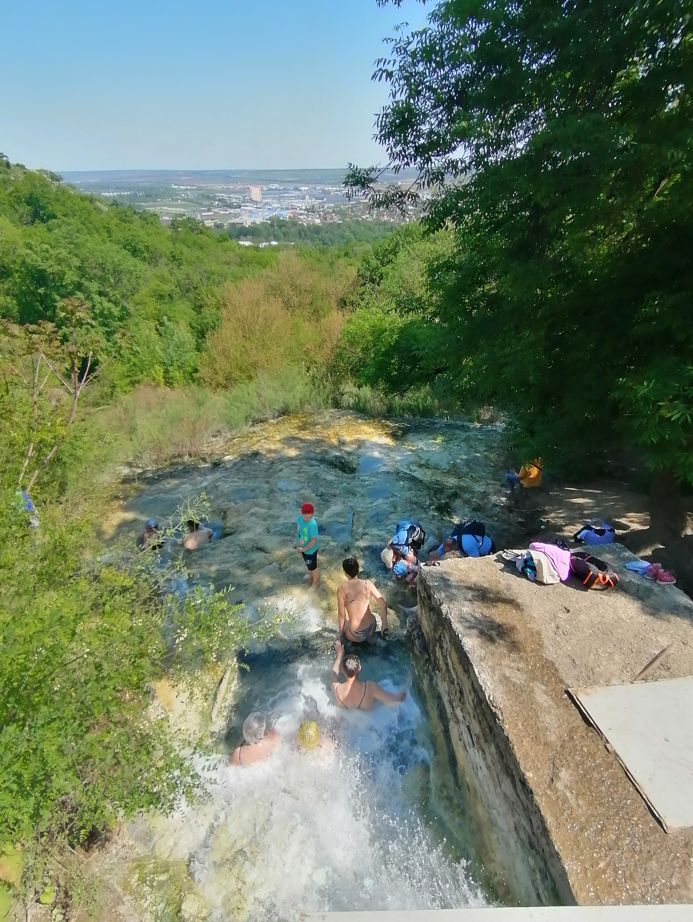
<point>356,694</point>
<point>356,620</point>
<point>198,535</point>
<point>257,744</point>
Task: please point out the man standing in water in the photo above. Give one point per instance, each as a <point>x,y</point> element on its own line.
<point>307,542</point>
<point>356,694</point>
<point>198,535</point>
<point>356,620</point>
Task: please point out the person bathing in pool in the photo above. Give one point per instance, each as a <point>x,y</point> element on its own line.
<point>258,742</point>
<point>356,694</point>
<point>356,620</point>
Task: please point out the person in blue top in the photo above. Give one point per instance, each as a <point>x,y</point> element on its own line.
<point>307,542</point>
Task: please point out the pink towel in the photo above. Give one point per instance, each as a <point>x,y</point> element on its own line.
<point>558,557</point>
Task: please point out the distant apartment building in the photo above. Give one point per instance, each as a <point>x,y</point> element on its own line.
<point>255,193</point>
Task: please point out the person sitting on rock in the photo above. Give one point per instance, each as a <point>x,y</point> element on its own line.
<point>151,539</point>
<point>258,743</point>
<point>198,535</point>
<point>529,477</point>
<point>356,620</point>
<point>353,693</point>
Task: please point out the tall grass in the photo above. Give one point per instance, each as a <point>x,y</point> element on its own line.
<point>288,315</point>
<point>154,426</point>
<point>420,402</point>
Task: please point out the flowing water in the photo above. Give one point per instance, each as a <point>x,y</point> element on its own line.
<point>375,817</point>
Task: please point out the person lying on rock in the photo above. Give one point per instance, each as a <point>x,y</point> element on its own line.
<point>258,743</point>
<point>198,535</point>
<point>307,542</point>
<point>356,620</point>
<point>353,693</point>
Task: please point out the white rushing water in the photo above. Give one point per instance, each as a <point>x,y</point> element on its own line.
<point>337,828</point>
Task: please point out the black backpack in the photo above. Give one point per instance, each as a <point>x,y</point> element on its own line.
<point>416,536</point>
<point>478,529</point>
<point>592,572</point>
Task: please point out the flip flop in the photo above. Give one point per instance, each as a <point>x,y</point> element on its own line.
<point>665,576</point>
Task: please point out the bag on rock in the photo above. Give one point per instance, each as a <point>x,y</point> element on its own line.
<point>595,532</point>
<point>592,572</point>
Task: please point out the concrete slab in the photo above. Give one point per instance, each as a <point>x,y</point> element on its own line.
<point>668,913</point>
<point>505,651</point>
<point>650,726</point>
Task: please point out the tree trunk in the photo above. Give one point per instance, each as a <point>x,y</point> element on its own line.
<point>668,518</point>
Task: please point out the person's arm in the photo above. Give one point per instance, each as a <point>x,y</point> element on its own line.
<point>339,647</point>
<point>388,697</point>
<point>382,605</point>
<point>341,611</point>
<point>310,546</point>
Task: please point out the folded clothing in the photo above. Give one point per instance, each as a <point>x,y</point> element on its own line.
<point>559,557</point>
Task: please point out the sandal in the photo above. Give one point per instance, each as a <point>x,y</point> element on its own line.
<point>652,571</point>
<point>665,576</point>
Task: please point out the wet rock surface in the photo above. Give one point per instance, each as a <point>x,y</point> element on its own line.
<point>260,849</point>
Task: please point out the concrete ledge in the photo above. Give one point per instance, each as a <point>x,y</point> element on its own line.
<point>662,913</point>
<point>567,824</point>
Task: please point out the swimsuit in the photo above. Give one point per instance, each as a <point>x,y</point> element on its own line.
<point>341,704</point>
<point>239,751</point>
<point>363,633</point>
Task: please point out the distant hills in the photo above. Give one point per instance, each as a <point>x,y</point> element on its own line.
<point>214,177</point>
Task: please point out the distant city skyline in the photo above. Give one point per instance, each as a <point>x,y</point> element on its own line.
<point>221,85</point>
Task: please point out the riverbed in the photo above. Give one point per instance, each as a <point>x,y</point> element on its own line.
<point>375,818</point>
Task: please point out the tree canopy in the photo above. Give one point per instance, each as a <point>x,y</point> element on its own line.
<point>558,137</point>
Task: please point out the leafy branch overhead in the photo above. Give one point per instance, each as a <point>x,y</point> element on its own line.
<point>557,139</point>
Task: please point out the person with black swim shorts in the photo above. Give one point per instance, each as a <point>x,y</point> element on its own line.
<point>307,542</point>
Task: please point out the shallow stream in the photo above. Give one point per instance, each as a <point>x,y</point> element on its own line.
<point>374,818</point>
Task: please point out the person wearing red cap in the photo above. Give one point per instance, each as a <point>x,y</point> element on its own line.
<point>307,542</point>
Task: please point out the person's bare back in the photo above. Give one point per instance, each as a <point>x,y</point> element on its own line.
<point>354,694</point>
<point>356,620</point>
<point>198,535</point>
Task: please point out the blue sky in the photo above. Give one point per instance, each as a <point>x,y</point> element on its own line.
<point>148,84</point>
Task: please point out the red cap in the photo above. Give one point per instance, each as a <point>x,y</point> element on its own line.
<point>307,508</point>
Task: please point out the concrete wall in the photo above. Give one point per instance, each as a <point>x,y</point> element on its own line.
<point>504,805</point>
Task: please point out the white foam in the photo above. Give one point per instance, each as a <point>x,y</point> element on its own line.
<point>325,830</point>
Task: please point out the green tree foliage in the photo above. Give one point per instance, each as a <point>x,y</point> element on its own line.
<point>390,339</point>
<point>559,136</point>
<point>333,234</point>
<point>153,292</point>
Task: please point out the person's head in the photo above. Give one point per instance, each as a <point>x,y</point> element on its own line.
<point>307,511</point>
<point>351,665</point>
<point>254,727</point>
<point>308,735</point>
<point>396,554</point>
<point>192,525</point>
<point>151,525</point>
<point>351,567</point>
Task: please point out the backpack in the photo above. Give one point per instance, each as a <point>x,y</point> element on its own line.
<point>478,529</point>
<point>592,572</point>
<point>595,534</point>
<point>413,538</point>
